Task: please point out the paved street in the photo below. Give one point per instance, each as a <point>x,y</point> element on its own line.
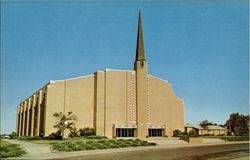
<point>225,151</point>
<point>168,148</point>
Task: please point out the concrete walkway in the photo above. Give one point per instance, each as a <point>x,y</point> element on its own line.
<point>242,158</point>
<point>165,141</point>
<point>41,151</point>
<point>31,148</point>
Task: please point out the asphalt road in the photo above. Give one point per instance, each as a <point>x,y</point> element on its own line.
<point>224,151</point>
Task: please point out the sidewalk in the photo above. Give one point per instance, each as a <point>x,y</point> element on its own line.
<point>242,158</point>
<point>30,147</point>
<point>41,151</point>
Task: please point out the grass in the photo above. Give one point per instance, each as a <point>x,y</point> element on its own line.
<point>4,143</point>
<point>225,138</point>
<point>70,139</point>
<point>191,136</point>
<point>235,138</point>
<point>58,141</point>
<point>230,138</point>
<point>10,150</point>
<point>98,144</point>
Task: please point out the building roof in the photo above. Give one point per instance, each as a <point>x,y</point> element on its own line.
<point>215,127</point>
<point>209,127</point>
<point>194,126</point>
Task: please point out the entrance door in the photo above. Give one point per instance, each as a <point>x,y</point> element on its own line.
<point>155,132</point>
<point>125,132</point>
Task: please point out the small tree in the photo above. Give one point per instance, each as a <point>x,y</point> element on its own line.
<point>205,123</point>
<point>177,133</point>
<point>54,136</point>
<point>65,121</point>
<point>13,135</point>
<point>238,124</point>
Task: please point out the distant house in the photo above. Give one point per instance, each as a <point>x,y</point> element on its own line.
<point>210,129</point>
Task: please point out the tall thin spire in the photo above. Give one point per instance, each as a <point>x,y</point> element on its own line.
<point>140,45</point>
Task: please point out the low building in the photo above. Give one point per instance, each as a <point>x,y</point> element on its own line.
<point>209,130</point>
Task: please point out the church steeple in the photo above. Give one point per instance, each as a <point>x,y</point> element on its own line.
<point>141,69</point>
<point>140,45</point>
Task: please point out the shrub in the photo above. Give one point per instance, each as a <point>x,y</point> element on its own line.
<point>13,135</point>
<point>177,133</point>
<point>89,147</point>
<point>97,145</point>
<point>101,144</point>
<point>54,136</point>
<point>11,150</point>
<point>95,137</point>
<point>114,145</point>
<point>235,138</point>
<point>152,144</point>
<point>143,143</point>
<point>134,144</point>
<point>61,147</point>
<point>185,133</point>
<point>102,141</point>
<point>192,133</point>
<point>28,138</point>
<point>87,131</point>
<point>207,135</point>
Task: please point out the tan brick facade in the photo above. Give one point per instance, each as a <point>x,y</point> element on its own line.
<point>106,101</point>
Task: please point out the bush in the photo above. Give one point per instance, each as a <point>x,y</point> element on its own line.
<point>95,137</point>
<point>177,133</point>
<point>185,133</point>
<point>12,150</point>
<point>28,138</point>
<point>207,135</point>
<point>152,143</point>
<point>87,131</point>
<point>13,135</point>
<point>101,144</point>
<point>61,147</point>
<point>191,133</point>
<point>235,138</point>
<point>89,147</point>
<point>54,136</point>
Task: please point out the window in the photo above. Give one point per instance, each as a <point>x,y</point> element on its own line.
<point>155,132</point>
<point>125,132</point>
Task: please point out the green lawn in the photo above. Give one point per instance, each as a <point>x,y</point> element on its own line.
<point>3,143</point>
<point>225,138</point>
<point>229,138</point>
<point>45,141</point>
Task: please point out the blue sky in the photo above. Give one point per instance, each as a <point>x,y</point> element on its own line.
<point>200,47</point>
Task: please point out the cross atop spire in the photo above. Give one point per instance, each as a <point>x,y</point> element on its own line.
<point>140,45</point>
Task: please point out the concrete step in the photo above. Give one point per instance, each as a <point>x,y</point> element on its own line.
<point>212,140</point>
<point>165,140</point>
